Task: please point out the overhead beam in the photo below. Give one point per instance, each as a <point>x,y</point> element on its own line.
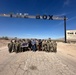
<point>48,17</point>
<point>45,17</point>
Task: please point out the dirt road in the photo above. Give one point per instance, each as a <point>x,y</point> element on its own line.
<point>39,63</point>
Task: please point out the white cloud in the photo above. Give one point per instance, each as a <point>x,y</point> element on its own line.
<point>28,34</point>
<point>61,14</point>
<point>69,19</point>
<point>66,3</point>
<point>72,18</point>
<point>61,23</point>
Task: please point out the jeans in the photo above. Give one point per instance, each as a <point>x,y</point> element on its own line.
<point>34,47</point>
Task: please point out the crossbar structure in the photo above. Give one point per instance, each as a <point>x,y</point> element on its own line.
<point>45,17</point>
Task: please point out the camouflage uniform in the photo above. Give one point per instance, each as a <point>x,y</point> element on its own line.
<point>44,45</point>
<point>16,44</point>
<point>48,45</point>
<point>51,46</point>
<point>19,46</point>
<point>10,46</point>
<point>55,46</point>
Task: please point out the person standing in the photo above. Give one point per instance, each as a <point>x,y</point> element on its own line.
<point>40,45</point>
<point>33,42</point>
<point>37,45</point>
<point>44,45</point>
<point>30,45</point>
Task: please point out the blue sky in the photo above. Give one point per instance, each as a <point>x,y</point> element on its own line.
<point>33,28</point>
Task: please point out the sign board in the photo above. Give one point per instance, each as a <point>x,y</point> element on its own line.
<point>71,34</point>
<point>26,15</point>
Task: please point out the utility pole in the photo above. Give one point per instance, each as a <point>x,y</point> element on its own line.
<point>65,29</point>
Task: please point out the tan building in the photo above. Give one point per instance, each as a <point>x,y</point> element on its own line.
<point>71,35</point>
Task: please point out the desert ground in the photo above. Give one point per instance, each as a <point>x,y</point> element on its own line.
<point>38,63</point>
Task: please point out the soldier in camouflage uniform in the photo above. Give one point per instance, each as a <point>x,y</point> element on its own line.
<point>44,45</point>
<point>54,46</point>
<point>49,45</point>
<point>16,46</point>
<point>19,46</point>
<point>11,46</point>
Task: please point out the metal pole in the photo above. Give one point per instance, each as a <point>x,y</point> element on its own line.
<point>65,28</point>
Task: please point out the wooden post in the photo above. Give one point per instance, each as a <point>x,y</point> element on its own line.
<point>65,29</point>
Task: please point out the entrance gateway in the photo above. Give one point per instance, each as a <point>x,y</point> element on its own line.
<point>45,17</point>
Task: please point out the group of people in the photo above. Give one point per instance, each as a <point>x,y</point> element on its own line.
<point>38,44</point>
<point>35,44</point>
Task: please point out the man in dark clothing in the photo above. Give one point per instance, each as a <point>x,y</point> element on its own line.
<point>40,45</point>
<point>30,45</point>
